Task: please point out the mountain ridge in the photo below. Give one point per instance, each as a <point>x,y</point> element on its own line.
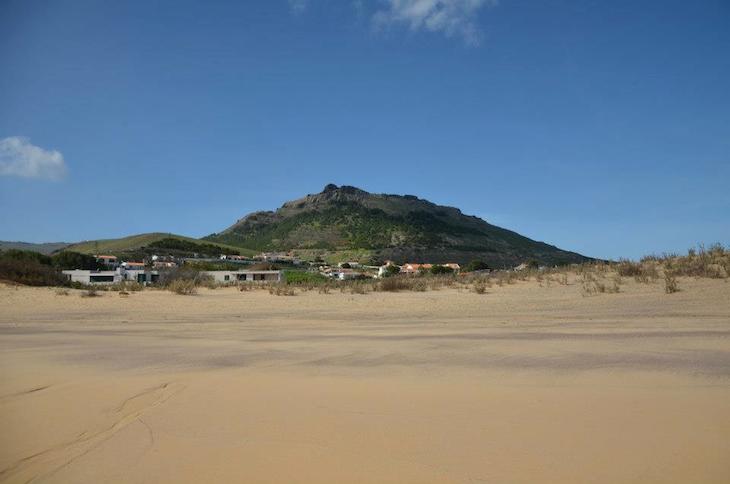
<point>387,226</point>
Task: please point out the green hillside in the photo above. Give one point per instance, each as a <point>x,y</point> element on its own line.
<point>42,248</point>
<point>398,227</point>
<point>136,242</point>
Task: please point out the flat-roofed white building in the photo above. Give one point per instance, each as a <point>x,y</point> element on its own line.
<point>245,276</point>
<point>111,277</point>
<point>93,277</point>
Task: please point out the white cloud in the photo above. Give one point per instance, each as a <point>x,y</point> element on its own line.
<point>18,157</point>
<point>298,6</point>
<point>450,17</point>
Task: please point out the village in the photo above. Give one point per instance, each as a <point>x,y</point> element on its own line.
<point>268,267</point>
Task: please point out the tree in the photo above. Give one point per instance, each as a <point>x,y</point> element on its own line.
<point>477,265</point>
<point>74,260</point>
<point>391,270</point>
<point>439,269</point>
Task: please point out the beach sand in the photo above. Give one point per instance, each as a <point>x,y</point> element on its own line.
<point>522,384</point>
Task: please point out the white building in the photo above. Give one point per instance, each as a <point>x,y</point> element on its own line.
<point>111,277</point>
<point>109,261</point>
<point>245,276</point>
<point>93,277</point>
<point>135,266</point>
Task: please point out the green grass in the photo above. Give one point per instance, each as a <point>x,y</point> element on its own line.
<point>133,242</point>
<point>303,277</point>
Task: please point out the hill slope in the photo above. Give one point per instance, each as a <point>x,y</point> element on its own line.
<point>135,242</point>
<point>43,248</point>
<point>398,227</point>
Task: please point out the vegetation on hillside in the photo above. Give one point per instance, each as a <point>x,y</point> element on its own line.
<point>143,244</point>
<point>183,245</point>
<point>35,269</point>
<point>394,227</point>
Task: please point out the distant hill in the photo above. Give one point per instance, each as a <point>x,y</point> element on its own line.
<point>44,248</point>
<point>399,227</point>
<point>135,243</point>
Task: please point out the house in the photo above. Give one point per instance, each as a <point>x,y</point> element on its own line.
<point>133,266</point>
<point>277,257</point>
<point>164,264</point>
<point>245,276</point>
<point>142,276</point>
<point>234,257</point>
<point>108,261</point>
<point>346,274</point>
<point>93,277</point>
<point>351,265</point>
<point>111,277</point>
<point>412,268</point>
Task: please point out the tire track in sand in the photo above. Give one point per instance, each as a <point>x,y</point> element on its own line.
<point>49,461</point>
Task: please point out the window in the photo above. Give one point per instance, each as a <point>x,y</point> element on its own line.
<point>226,278</point>
<point>101,278</point>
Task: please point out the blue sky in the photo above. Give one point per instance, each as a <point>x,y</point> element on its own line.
<point>599,126</point>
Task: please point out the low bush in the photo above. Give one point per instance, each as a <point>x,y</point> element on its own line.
<point>281,290</point>
<point>91,292</point>
<point>303,277</point>
<point>185,280</point>
<point>592,284</point>
<point>393,284</point>
<point>185,287</point>
<point>670,283</point>
<point>626,268</point>
<point>358,288</point>
<point>419,285</point>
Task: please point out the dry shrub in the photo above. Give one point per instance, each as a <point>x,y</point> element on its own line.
<point>393,284</point>
<point>128,286</point>
<point>713,262</point>
<point>62,292</point>
<point>648,272</point>
<point>594,285</point>
<point>626,268</point>
<point>479,287</point>
<point>91,292</point>
<point>281,290</point>
<point>358,289</point>
<point>670,283</point>
<point>185,287</point>
<point>419,285</point>
<point>123,294</point>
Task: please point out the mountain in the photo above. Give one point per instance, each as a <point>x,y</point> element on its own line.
<point>44,248</point>
<point>377,226</point>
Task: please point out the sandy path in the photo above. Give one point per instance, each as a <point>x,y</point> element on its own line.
<point>523,384</point>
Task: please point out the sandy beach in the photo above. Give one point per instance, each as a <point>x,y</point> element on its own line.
<point>521,384</point>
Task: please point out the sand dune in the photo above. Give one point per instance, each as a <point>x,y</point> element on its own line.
<point>522,384</point>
